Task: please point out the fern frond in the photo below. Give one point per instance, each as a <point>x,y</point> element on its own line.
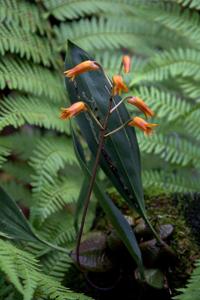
<point>19,110</point>
<point>56,264</point>
<point>62,232</point>
<point>24,14</point>
<point>72,9</point>
<point>102,33</point>
<point>15,39</point>
<point>18,265</point>
<point>170,183</point>
<point>24,149</point>
<point>191,124</point>
<point>171,64</point>
<point>55,196</point>
<point>192,290</point>
<point>166,105</point>
<point>190,87</point>
<point>193,4</point>
<point>175,150</point>
<point>24,272</point>
<point>183,23</point>
<point>4,152</point>
<point>49,156</point>
<point>28,77</point>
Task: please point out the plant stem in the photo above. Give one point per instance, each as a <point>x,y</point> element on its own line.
<point>94,117</point>
<point>92,180</point>
<point>118,128</point>
<point>120,102</point>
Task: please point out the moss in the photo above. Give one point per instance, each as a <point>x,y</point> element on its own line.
<point>162,210</point>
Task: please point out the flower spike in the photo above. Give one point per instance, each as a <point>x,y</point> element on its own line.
<point>83,67</point>
<point>146,127</point>
<point>73,110</point>
<point>126,61</point>
<point>139,103</point>
<point>119,85</point>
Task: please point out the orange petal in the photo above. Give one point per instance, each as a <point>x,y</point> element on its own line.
<point>73,110</point>
<point>83,67</point>
<point>139,103</point>
<point>126,60</point>
<point>119,85</point>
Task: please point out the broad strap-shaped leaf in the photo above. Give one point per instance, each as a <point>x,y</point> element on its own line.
<point>120,158</point>
<point>13,224</point>
<point>118,221</point>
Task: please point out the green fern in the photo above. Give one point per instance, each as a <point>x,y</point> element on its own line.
<point>183,23</point>
<point>193,4</point>
<point>191,291</point>
<point>62,232</point>
<point>170,183</point>
<point>18,110</point>
<point>28,77</point>
<point>25,274</point>
<point>4,152</point>
<point>103,33</point>
<point>17,40</point>
<point>171,64</point>
<point>48,157</point>
<point>71,9</point>
<point>24,149</point>
<point>54,196</point>
<point>56,265</point>
<point>190,87</point>
<point>165,104</point>
<point>23,13</point>
<point>173,149</point>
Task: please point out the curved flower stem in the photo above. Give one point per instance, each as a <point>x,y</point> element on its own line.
<point>117,129</point>
<point>92,180</point>
<point>119,103</point>
<point>94,117</point>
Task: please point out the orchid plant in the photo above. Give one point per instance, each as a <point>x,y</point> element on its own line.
<point>109,132</point>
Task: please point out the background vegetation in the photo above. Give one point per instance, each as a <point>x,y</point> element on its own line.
<point>38,165</point>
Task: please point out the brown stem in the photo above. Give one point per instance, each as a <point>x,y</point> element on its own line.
<point>92,180</point>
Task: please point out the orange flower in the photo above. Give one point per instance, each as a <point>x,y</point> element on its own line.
<point>126,61</point>
<point>73,110</point>
<point>83,67</point>
<point>143,125</point>
<point>139,103</point>
<point>119,85</point>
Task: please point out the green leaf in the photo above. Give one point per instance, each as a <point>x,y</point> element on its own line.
<point>14,225</point>
<point>118,221</point>
<point>153,277</point>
